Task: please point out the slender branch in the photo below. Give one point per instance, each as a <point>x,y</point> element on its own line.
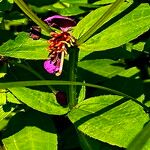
<point>31,15</point>
<point>100,21</point>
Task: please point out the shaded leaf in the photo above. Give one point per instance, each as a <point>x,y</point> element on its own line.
<point>30,130</point>
<point>102,67</point>
<point>109,118</point>
<point>3,69</point>
<point>5,5</point>
<point>5,113</point>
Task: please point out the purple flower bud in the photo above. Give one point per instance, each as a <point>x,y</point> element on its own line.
<point>60,22</point>
<point>51,66</point>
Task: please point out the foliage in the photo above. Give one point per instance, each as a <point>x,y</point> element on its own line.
<point>101,100</point>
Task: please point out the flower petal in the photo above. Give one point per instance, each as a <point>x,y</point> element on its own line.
<point>61,22</point>
<point>50,67</point>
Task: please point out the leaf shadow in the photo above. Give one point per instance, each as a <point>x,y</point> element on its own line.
<point>100,112</point>
<point>25,119</point>
<point>114,54</point>
<point>118,17</point>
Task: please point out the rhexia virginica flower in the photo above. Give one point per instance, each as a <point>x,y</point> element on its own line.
<point>60,22</point>
<point>58,44</point>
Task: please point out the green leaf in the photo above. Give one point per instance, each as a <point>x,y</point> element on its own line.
<point>102,67</point>
<point>5,113</point>
<point>30,131</point>
<point>12,99</point>
<point>103,2</point>
<point>2,97</point>
<point>5,5</point>
<point>82,94</point>
<point>14,18</point>
<point>88,21</point>
<point>88,143</point>
<point>109,118</point>
<point>129,72</point>
<point>141,139</point>
<point>74,1</point>
<point>24,47</point>
<point>127,28</point>
<point>41,101</point>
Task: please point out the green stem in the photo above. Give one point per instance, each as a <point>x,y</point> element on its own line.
<point>56,82</point>
<point>31,15</point>
<point>73,59</point>
<point>100,21</point>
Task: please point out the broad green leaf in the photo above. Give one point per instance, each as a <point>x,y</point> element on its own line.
<point>12,99</point>
<point>139,46</point>
<point>141,139</point>
<point>88,21</point>
<point>30,131</point>
<point>2,97</point>
<point>5,114</point>
<point>126,29</point>
<point>102,67</point>
<point>41,101</point>
<point>109,118</point>
<point>24,47</point>
<point>5,111</point>
<point>14,18</point>
<point>119,53</point>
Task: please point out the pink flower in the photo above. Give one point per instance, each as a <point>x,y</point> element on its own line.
<point>58,43</point>
<point>60,22</point>
<point>51,66</point>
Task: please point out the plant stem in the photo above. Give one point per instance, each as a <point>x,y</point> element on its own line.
<point>31,15</point>
<point>73,59</point>
<point>56,82</point>
<point>100,21</point>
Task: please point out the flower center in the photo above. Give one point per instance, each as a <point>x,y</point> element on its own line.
<point>58,49</point>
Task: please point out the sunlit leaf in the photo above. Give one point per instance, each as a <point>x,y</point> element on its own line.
<point>119,31</point>
<point>25,47</point>
<point>41,101</point>
<point>109,118</point>
<point>30,130</point>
